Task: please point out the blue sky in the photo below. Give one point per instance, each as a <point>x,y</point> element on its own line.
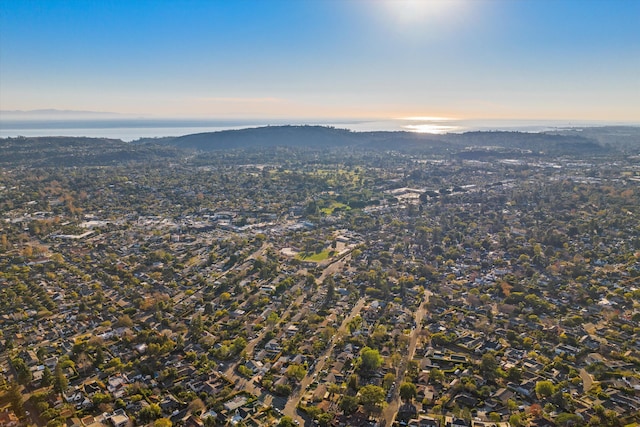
<point>314,59</point>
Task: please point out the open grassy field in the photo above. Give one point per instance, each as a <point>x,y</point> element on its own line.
<point>316,257</point>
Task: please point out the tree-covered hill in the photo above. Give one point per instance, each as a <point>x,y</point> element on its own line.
<point>319,137</point>
<point>73,151</point>
<point>81,151</point>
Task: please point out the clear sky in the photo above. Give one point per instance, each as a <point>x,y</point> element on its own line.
<point>465,59</point>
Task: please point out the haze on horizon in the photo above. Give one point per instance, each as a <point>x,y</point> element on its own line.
<point>379,59</point>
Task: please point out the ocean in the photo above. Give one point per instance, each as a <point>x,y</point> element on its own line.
<point>133,129</point>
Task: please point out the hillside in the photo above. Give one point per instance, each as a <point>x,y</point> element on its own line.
<point>269,136</point>
<point>70,151</point>
<point>319,137</point>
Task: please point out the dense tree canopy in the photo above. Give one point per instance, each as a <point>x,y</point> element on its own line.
<point>370,360</point>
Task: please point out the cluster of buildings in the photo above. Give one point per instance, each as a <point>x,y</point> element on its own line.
<point>508,296</point>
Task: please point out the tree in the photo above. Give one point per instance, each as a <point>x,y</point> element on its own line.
<point>210,421</point>
<point>544,388</point>
<point>283,389</point>
<point>595,421</point>
<point>24,373</point>
<point>348,404</point>
<point>196,327</point>
<point>371,398</point>
<point>514,374</point>
<point>296,371</point>
<point>99,356</point>
<point>99,398</point>
<point>535,410</point>
<point>245,371</point>
<point>208,308</point>
<point>124,321</point>
<point>224,297</point>
<point>353,382</point>
<point>516,420</point>
<point>331,289</point>
<point>408,391</point>
<point>47,377</point>
<point>489,366</point>
<point>60,381</point>
<point>83,362</point>
<point>333,388</point>
<point>150,413</point>
<point>370,360</point>
<point>196,406</point>
<point>566,419</point>
<point>324,419</point>
<point>272,318</point>
<point>162,422</point>
<point>15,398</point>
<point>116,364</point>
<point>238,345</point>
<point>388,380</point>
<point>436,375</point>
<point>286,421</point>
<point>413,370</point>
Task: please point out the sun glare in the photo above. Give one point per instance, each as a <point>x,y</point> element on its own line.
<point>430,128</point>
<point>426,119</point>
<point>419,11</point>
<point>429,124</point>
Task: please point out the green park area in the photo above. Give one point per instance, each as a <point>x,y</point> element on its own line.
<point>316,256</point>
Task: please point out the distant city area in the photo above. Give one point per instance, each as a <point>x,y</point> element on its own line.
<point>312,275</point>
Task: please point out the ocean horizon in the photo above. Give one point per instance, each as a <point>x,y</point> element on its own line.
<point>134,129</point>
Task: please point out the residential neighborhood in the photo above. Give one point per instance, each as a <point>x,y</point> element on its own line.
<point>332,287</point>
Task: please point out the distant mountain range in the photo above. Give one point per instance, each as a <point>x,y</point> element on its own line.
<point>52,113</point>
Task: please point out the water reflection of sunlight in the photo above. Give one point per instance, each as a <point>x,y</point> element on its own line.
<point>431,128</point>
<point>429,124</point>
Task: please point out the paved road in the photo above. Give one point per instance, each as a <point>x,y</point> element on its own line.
<point>182,298</point>
<point>297,303</point>
<point>290,408</point>
<point>334,266</point>
<point>229,372</point>
<point>390,411</point>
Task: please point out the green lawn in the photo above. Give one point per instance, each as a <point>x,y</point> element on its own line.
<point>333,207</point>
<point>316,257</point>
